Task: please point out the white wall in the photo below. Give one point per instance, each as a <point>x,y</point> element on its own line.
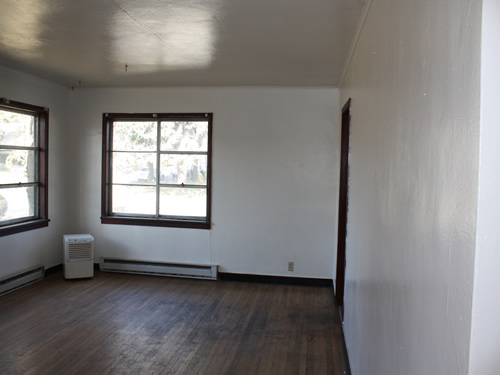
<point>485,336</point>
<point>275,178</point>
<point>414,84</point>
<point>41,246</point>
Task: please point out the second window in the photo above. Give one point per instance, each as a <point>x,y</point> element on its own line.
<point>156,169</point>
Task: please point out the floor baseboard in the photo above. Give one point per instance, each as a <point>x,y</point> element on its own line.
<point>226,276</point>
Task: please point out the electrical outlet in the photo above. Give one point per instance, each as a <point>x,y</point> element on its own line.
<point>290,266</point>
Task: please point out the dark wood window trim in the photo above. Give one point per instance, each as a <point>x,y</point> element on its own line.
<point>42,220</point>
<point>179,222</point>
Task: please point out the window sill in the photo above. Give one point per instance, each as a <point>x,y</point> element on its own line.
<point>123,220</point>
<point>23,227</point>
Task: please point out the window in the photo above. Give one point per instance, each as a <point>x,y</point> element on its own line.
<point>23,167</point>
<point>157,169</point>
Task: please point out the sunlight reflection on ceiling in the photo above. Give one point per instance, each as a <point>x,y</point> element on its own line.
<point>176,37</point>
<point>24,22</point>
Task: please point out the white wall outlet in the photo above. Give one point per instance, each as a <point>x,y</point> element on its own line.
<point>290,266</point>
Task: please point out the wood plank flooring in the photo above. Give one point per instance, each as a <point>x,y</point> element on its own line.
<point>131,324</point>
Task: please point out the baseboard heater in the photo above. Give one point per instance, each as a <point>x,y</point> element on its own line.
<point>14,282</point>
<point>194,271</point>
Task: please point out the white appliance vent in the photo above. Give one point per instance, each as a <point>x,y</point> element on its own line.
<point>80,251</point>
<point>78,256</point>
<point>195,271</point>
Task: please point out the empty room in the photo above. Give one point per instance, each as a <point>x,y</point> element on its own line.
<point>238,187</point>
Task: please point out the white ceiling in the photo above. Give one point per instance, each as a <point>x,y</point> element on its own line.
<point>179,42</point>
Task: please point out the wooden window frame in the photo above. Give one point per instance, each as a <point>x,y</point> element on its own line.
<point>107,217</point>
<point>42,218</point>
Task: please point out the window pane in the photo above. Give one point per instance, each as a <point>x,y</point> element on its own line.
<point>134,136</point>
<point>134,168</point>
<point>17,166</point>
<point>183,202</point>
<point>17,129</point>
<point>139,200</point>
<point>184,136</point>
<point>186,169</point>
<point>17,203</point>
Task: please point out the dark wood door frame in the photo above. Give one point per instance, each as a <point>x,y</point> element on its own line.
<point>343,206</point>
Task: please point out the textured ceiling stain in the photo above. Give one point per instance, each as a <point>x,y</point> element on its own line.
<point>179,43</point>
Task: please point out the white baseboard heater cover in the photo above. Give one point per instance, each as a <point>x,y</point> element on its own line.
<point>14,282</point>
<point>195,271</point>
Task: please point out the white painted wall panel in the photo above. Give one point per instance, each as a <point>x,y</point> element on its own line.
<point>41,246</point>
<point>485,333</point>
<point>275,178</point>
<point>414,84</point>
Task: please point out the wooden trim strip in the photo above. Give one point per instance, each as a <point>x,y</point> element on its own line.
<point>344,348</point>
<point>267,279</point>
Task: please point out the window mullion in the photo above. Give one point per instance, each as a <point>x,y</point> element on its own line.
<point>110,166</point>
<point>184,186</point>
<point>36,134</point>
<point>19,185</point>
<point>184,152</point>
<point>21,148</point>
<point>158,175</point>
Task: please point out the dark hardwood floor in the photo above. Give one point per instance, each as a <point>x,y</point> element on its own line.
<point>130,324</point>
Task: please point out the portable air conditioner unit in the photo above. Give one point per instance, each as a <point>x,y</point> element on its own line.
<point>78,256</point>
